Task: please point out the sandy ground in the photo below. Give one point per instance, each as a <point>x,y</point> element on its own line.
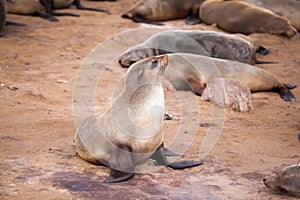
<point>39,64</point>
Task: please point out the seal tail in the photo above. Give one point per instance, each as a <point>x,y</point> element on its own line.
<point>286,94</point>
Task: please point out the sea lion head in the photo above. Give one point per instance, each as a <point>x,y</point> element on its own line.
<point>133,56</point>
<point>286,182</point>
<point>146,71</point>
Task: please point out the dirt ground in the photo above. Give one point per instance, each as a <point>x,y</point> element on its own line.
<point>39,64</point>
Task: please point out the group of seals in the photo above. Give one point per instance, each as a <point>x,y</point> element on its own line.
<point>149,11</point>
<point>129,132</point>
<point>241,17</point>
<point>198,71</point>
<point>289,9</point>
<point>208,43</point>
<point>45,8</point>
<point>287,181</point>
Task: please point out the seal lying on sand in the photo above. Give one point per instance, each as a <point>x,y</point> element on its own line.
<point>198,71</point>
<point>289,9</point>
<point>208,43</point>
<point>44,8</point>
<point>149,11</point>
<point>241,17</point>
<point>286,181</point>
<point>130,132</point>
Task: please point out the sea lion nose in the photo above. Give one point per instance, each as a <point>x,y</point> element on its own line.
<point>264,180</point>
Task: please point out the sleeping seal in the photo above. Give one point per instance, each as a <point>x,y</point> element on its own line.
<point>44,8</point>
<point>287,181</point>
<point>130,131</point>
<point>207,43</point>
<point>149,11</point>
<point>241,17</point>
<point>198,71</point>
<point>289,9</point>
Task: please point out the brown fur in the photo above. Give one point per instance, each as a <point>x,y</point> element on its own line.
<point>240,17</point>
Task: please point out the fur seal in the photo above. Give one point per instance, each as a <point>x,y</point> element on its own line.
<point>289,9</point>
<point>241,17</point>
<point>2,13</point>
<point>44,8</point>
<point>129,132</point>
<point>149,11</point>
<point>287,181</point>
<point>194,72</point>
<point>208,43</point>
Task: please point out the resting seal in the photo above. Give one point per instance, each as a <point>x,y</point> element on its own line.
<point>241,17</point>
<point>148,11</point>
<point>289,9</point>
<point>287,181</point>
<point>129,132</point>
<point>194,72</point>
<point>207,43</point>
<point>44,8</point>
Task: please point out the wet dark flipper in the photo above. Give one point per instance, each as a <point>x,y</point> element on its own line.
<point>9,23</point>
<point>170,153</point>
<point>290,86</point>
<point>122,167</point>
<point>264,62</point>
<point>184,164</point>
<point>81,7</point>
<point>139,19</point>
<point>160,156</point>
<point>64,14</point>
<point>262,51</point>
<point>48,17</point>
<point>286,94</point>
<point>193,19</point>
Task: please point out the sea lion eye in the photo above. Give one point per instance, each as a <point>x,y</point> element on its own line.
<point>154,64</point>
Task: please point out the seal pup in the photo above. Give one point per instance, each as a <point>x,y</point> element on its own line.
<point>208,43</point>
<point>289,9</point>
<point>194,72</point>
<point>44,8</point>
<point>241,17</point>
<point>287,181</point>
<point>151,11</point>
<point>130,131</point>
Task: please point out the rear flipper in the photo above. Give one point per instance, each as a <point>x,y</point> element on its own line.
<point>121,167</point>
<point>48,17</point>
<point>289,86</point>
<point>286,94</point>
<point>193,19</point>
<point>63,14</point>
<point>264,62</point>
<point>81,7</point>
<point>170,153</point>
<point>9,23</point>
<point>262,51</point>
<point>139,19</point>
<point>161,159</point>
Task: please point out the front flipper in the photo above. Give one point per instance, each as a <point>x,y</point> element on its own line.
<point>121,165</point>
<point>81,7</point>
<point>161,159</point>
<point>170,153</point>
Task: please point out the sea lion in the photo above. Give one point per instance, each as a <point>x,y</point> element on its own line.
<point>44,8</point>
<point>241,17</point>
<point>198,71</point>
<point>225,93</point>
<point>208,43</point>
<point>2,13</point>
<point>287,181</point>
<point>130,131</point>
<point>149,11</point>
<point>289,9</point>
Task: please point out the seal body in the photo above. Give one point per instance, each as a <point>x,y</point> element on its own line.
<point>287,181</point>
<point>207,43</point>
<point>289,9</point>
<point>157,10</point>
<point>241,17</point>
<point>2,13</point>
<point>194,72</point>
